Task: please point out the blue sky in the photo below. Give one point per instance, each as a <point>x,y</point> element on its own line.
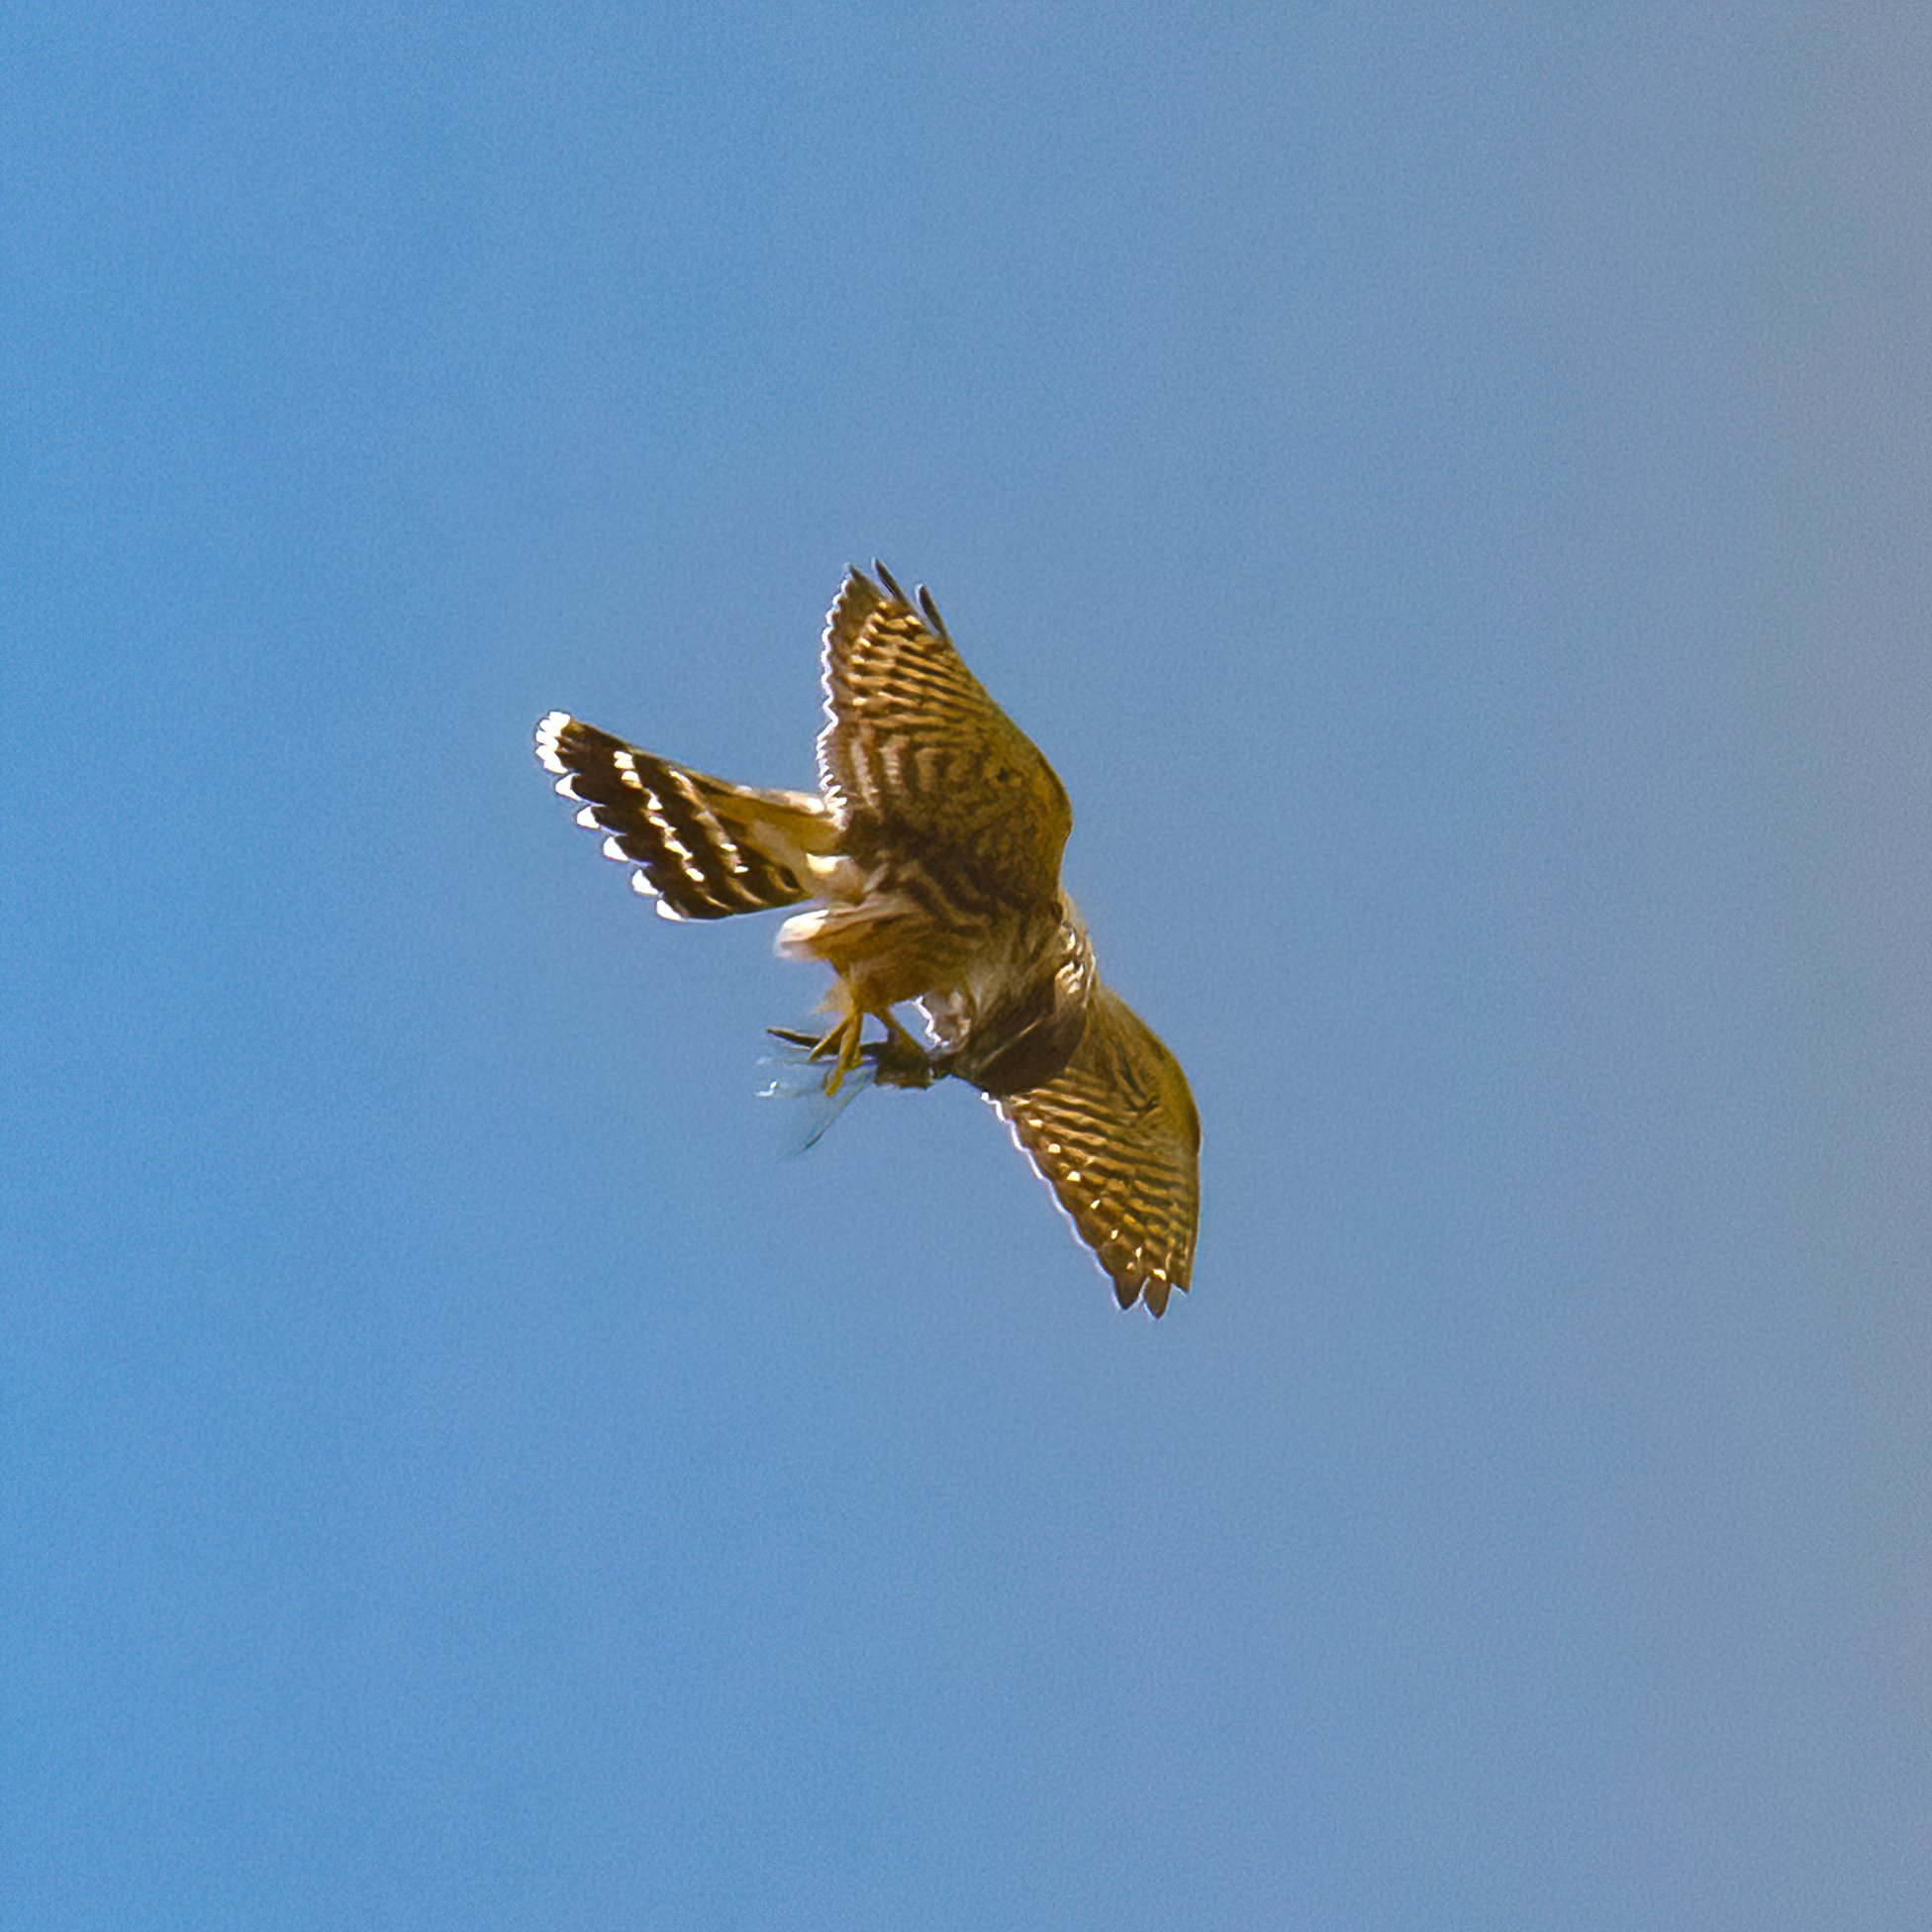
<point>1447,488</point>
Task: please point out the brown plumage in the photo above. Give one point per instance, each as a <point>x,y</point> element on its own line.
<point>931,857</point>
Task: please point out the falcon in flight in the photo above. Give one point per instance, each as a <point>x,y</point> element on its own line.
<point>928,861</point>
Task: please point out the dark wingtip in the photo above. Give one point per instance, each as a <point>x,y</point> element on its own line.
<point>932,616</point>
<point>1155,1291</point>
<point>886,578</point>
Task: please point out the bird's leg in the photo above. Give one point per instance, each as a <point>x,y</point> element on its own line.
<point>900,1059</point>
<point>898,1039</point>
<point>841,1042</point>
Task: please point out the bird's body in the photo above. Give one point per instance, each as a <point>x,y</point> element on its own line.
<point>930,859</point>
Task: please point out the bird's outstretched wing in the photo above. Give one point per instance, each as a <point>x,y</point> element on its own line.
<point>918,759</point>
<point>1116,1138</point>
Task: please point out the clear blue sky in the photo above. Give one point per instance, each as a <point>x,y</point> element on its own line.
<point>1448,488</point>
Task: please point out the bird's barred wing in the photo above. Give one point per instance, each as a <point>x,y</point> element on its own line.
<point>914,746</point>
<point>1116,1138</point>
<point>703,849</point>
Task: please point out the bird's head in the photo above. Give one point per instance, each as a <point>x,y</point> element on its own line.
<point>1024,1040</point>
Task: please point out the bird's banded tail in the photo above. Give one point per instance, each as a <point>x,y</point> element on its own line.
<point>703,848</point>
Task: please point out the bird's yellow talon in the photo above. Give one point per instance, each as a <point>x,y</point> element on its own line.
<point>843,1042</point>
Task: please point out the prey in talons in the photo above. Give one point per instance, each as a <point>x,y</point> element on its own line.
<point>898,1060</point>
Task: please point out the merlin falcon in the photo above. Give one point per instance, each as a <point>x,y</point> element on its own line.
<point>928,865</point>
